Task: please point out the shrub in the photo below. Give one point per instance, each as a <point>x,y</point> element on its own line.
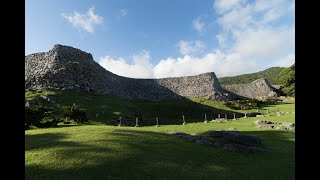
<point>243,104</point>
<point>40,117</point>
<point>76,114</point>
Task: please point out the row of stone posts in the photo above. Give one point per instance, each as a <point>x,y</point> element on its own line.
<point>184,121</point>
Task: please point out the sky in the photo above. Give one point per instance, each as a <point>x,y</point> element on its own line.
<point>168,38</point>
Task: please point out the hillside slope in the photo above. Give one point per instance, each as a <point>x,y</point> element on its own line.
<point>288,81</point>
<point>270,74</point>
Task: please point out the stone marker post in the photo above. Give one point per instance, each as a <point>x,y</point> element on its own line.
<point>136,122</point>
<point>205,118</point>
<point>157,122</point>
<point>234,116</point>
<point>225,116</point>
<point>120,121</point>
<point>245,115</point>
<point>219,116</point>
<point>184,122</point>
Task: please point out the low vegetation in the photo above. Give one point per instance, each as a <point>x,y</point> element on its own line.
<point>287,78</point>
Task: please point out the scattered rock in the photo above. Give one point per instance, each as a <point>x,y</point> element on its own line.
<point>288,124</point>
<point>257,122</point>
<point>183,135</point>
<point>31,103</point>
<point>204,141</point>
<point>50,98</point>
<point>265,126</point>
<point>228,140</point>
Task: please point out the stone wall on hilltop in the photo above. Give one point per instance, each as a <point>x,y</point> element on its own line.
<point>70,68</point>
<point>257,89</point>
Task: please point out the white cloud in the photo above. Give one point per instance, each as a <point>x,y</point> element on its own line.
<point>86,21</point>
<point>217,62</point>
<point>141,67</point>
<point>223,6</point>
<point>285,61</point>
<point>198,24</point>
<point>249,29</point>
<point>187,65</point>
<point>190,47</point>
<point>123,12</point>
<point>270,43</point>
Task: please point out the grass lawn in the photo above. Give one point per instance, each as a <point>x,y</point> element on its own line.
<point>111,152</point>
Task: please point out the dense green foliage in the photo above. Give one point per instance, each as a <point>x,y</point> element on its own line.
<point>287,78</point>
<point>270,74</point>
<point>75,113</point>
<point>40,117</point>
<point>242,104</point>
<point>250,103</point>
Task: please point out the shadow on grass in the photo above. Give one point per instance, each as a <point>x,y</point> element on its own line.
<point>168,111</point>
<point>133,154</point>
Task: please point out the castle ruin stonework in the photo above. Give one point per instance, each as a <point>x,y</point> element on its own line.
<point>70,68</point>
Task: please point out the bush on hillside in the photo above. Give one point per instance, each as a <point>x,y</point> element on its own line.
<point>40,117</point>
<point>287,78</point>
<point>242,104</point>
<point>76,114</point>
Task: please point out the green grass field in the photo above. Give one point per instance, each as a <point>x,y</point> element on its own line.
<point>111,152</point>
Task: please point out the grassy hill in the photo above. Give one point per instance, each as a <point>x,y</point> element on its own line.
<point>111,152</point>
<point>102,109</point>
<point>270,74</point>
<point>287,78</point>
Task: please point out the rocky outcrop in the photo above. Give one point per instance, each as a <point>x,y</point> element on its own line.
<point>233,141</point>
<point>70,68</point>
<point>257,89</point>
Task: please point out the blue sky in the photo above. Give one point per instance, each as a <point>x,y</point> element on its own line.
<point>167,38</point>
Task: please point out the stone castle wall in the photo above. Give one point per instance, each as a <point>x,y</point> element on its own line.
<point>259,88</point>
<point>70,68</point>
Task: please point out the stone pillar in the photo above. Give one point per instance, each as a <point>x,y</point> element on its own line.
<point>184,122</point>
<point>137,122</point>
<point>219,116</point>
<point>225,116</point>
<point>234,116</point>
<point>120,121</point>
<point>205,118</point>
<point>157,122</point>
<point>245,115</point>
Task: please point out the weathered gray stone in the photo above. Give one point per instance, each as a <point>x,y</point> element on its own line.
<point>242,148</point>
<point>71,68</point>
<point>217,133</point>
<point>203,141</point>
<point>31,103</point>
<point>257,122</point>
<point>266,126</point>
<point>258,89</point>
<point>182,135</point>
<point>50,98</point>
<point>245,139</point>
<point>288,124</point>
<point>228,140</point>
